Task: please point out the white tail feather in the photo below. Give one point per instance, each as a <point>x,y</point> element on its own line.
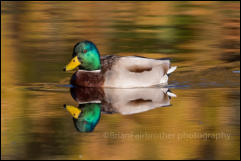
<point>172,69</point>
<point>171,94</point>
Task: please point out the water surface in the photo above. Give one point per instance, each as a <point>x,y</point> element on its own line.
<point>201,38</point>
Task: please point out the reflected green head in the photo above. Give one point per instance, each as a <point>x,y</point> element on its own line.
<point>88,118</point>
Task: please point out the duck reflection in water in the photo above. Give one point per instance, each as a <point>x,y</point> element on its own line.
<point>94,101</point>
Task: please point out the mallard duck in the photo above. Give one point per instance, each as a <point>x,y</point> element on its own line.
<point>115,71</point>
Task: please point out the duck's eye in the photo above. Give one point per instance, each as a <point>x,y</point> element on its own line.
<point>84,51</point>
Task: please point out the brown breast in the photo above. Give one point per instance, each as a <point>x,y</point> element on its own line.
<point>87,79</point>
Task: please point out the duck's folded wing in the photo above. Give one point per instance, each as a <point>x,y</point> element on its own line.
<point>133,71</point>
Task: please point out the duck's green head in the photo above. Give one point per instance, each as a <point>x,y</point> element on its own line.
<point>86,56</point>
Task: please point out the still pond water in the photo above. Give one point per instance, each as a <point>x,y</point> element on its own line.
<point>201,38</point>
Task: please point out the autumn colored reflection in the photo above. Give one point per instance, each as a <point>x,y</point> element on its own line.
<point>201,38</point>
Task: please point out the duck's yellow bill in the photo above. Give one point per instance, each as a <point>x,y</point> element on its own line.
<point>74,111</point>
<point>72,64</point>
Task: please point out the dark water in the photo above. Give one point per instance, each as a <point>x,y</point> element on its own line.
<point>201,38</point>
